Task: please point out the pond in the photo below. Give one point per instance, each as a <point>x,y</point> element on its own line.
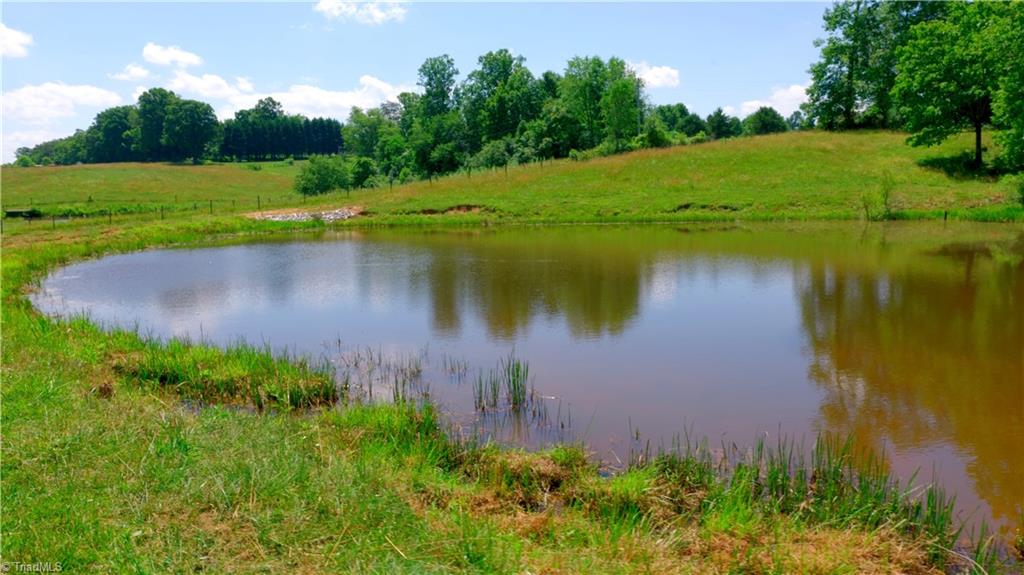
<point>907,336</point>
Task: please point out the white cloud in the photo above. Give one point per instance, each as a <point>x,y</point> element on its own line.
<point>131,73</point>
<point>138,91</point>
<point>785,101</point>
<point>372,13</point>
<point>313,101</point>
<point>210,86</point>
<point>26,138</point>
<point>302,99</point>
<point>169,55</point>
<point>47,102</point>
<point>655,76</point>
<point>205,86</point>
<point>14,43</point>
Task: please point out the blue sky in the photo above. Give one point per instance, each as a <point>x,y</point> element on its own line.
<point>62,63</point>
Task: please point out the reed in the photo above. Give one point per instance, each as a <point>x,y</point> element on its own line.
<point>515,375</point>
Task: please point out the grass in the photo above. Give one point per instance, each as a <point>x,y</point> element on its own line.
<point>503,387</point>
<point>92,189</point>
<point>802,175</point>
<point>104,466</point>
<point>240,373</point>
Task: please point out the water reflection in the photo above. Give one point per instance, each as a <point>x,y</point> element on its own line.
<point>908,336</point>
<point>926,355</point>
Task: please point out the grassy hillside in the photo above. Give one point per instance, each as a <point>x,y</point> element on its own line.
<point>129,187</point>
<point>803,175</point>
<point>796,175</point>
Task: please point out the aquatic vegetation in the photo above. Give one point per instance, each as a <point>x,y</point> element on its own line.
<point>239,373</point>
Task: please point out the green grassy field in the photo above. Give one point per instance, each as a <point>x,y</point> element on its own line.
<point>106,468</point>
<point>131,187</point>
<point>802,175</point>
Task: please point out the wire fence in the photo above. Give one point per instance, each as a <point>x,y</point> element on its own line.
<point>92,207</point>
<point>54,214</point>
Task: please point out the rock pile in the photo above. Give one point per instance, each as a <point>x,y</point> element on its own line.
<point>328,216</point>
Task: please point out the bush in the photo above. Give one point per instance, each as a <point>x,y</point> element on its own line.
<point>654,134</point>
<point>24,162</point>
<point>494,154</point>
<point>362,169</point>
<point>322,174</point>
<point>601,150</point>
<point>698,138</point>
<point>764,121</point>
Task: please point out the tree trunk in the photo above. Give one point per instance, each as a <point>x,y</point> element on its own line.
<point>977,145</point>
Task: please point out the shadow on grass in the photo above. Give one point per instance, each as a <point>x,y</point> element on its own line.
<point>962,167</point>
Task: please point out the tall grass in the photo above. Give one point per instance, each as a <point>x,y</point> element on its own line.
<point>239,373</point>
<point>505,386</point>
<point>836,486</point>
<point>515,375</point>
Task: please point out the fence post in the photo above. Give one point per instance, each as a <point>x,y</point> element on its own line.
<point>257,202</point>
<point>110,217</point>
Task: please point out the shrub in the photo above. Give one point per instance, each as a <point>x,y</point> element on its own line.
<point>603,149</point>
<point>698,138</point>
<point>322,174</point>
<point>654,134</point>
<point>361,170</point>
<point>494,154</point>
<point>764,121</point>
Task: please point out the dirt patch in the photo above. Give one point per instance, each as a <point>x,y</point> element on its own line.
<point>459,209</point>
<point>303,215</point>
<point>464,209</point>
<point>706,207</point>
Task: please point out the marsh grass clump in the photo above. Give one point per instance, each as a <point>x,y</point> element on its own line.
<point>838,486</point>
<point>506,386</point>
<point>741,493</point>
<point>515,375</point>
<point>486,391</point>
<point>239,373</point>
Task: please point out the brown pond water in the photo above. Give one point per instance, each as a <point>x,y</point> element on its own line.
<point>910,337</point>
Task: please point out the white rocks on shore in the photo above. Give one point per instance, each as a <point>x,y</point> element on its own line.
<point>328,216</point>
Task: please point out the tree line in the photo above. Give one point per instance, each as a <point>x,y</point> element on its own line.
<point>500,113</point>
<point>931,68</point>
